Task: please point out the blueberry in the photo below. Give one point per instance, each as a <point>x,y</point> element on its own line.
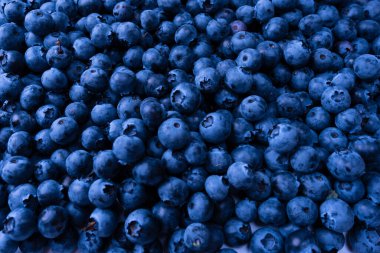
<point>50,192</point>
<point>367,212</point>
<point>141,227</point>
<point>197,237</point>
<point>11,37</point>
<point>316,186</point>
<point>372,184</point>
<point>173,191</point>
<point>185,98</point>
<point>237,232</point>
<point>78,192</point>
<point>217,187</point>
<point>23,196</point>
<point>246,210</point>
<point>103,221</point>
<point>36,244</point>
<point>128,149</point>
<point>52,221</point>
<point>296,53</point>
<point>90,241</point>
<point>176,242</point>
<point>267,240</point>
<point>366,67</point>
<point>363,239</point>
<point>336,215</point>
<point>102,193</point>
<point>329,240</point>
<point>283,138</point>
<point>20,224</point>
<point>165,214</point>
<point>272,212</point>
<point>301,240</point>
<point>94,79</point>
<point>264,10</point>
<point>46,169</point>
<point>215,127</point>
<point>305,160</point>
<point>7,245</point>
<point>351,165</point>
<point>285,185</point>
<point>302,211</point>
<point>149,171</point>
<point>78,163</point>
<point>16,170</point>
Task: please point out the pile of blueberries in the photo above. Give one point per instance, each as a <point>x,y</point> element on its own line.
<point>151,126</point>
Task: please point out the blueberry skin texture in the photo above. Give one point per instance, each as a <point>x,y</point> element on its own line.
<point>335,99</point>
<point>132,195</point>
<point>351,192</point>
<point>346,165</point>
<point>200,207</point>
<point>176,242</point>
<point>52,221</point>
<point>238,80</point>
<point>104,221</point>
<point>215,128</point>
<point>123,81</point>
<point>50,192</point>
<point>10,86</point>
<point>128,149</point>
<point>173,191</point>
<point>336,215</point>
<point>20,143</point>
<point>105,164</point>
<point>197,237</point>
<point>329,240</point>
<point>16,170</point>
<point>265,240</point>
<point>174,162</point>
<point>94,79</point>
<point>246,210</point>
<point>174,133</point>
<point>349,121</point>
<point>89,241</point>
<point>367,67</point>
<point>102,193</point>
<point>301,240</point>
<point>285,185</point>
<point>283,138</point>
<point>333,139</point>
<point>14,42</point>
<point>362,239</point>
<point>23,196</point>
<point>315,186</point>
<point>367,212</point>
<point>237,232</point>
<point>240,175</point>
<point>302,211</point>
<point>372,187</point>
<point>78,192</point>
<point>7,244</point>
<point>78,163</point>
<point>64,130</point>
<point>141,227</point>
<point>296,53</point>
<point>218,160</point>
<point>20,224</point>
<point>149,171</point>
<point>318,118</point>
<point>165,215</point>
<point>217,187</point>
<point>272,212</point>
<point>305,160</point>
<point>253,108</point>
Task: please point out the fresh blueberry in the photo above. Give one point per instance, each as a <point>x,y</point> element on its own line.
<point>336,215</point>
